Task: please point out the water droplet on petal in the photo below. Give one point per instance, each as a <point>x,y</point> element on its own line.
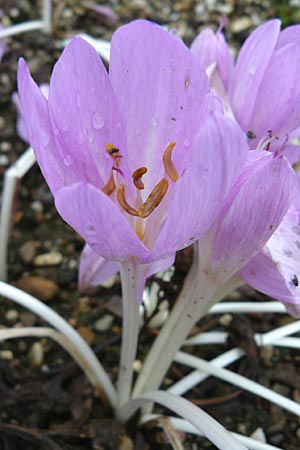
<point>80,137</point>
<point>56,131</point>
<point>45,137</point>
<point>153,122</point>
<point>68,160</point>
<point>90,229</point>
<point>78,100</point>
<point>64,127</point>
<point>97,120</point>
<point>91,138</point>
<point>186,143</point>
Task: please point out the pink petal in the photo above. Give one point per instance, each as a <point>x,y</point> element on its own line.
<point>277,106</point>
<point>211,48</point>
<point>250,68</point>
<point>99,221</point>
<point>275,270</point>
<point>218,155</point>
<point>93,269</point>
<point>160,86</point>
<point>35,109</point>
<point>84,112</point>
<point>253,211</point>
<point>288,36</point>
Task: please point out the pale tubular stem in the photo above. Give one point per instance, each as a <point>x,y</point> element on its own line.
<point>130,331</point>
<point>186,427</point>
<point>89,362</point>
<point>212,429</point>
<point>193,303</point>
<point>12,333</point>
<point>11,179</point>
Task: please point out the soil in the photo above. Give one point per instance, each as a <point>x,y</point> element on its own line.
<point>46,401</point>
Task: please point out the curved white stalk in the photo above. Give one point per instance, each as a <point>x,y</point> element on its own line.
<point>12,333</point>
<point>247,307</point>
<point>130,330</point>
<point>11,177</point>
<point>210,428</point>
<point>185,426</point>
<point>31,25</point>
<point>237,380</point>
<point>92,366</point>
<point>194,301</point>
<point>47,16</point>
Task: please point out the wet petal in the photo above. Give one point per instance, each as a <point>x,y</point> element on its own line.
<point>288,36</point>
<point>84,112</point>
<point>93,269</point>
<point>218,155</point>
<point>99,221</point>
<point>275,270</point>
<point>253,211</point>
<point>211,48</point>
<point>277,106</point>
<point>35,110</point>
<point>164,89</point>
<point>251,64</point>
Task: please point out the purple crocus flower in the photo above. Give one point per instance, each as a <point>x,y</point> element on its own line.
<point>263,96</point>
<point>138,163</point>
<point>21,124</point>
<point>262,91</point>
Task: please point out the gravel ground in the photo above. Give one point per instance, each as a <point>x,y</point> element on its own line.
<point>45,400</point>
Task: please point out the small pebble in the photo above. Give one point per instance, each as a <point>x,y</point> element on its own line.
<point>225,320</point>
<point>7,355</point>
<point>37,206</point>
<point>48,259</point>
<point>126,443</point>
<point>5,146</point>
<point>12,315</point>
<point>39,287</point>
<point>36,354</point>
<point>259,435</point>
<point>104,323</point>
<point>28,251</point>
<point>266,353</point>
<point>240,24</point>
<point>27,318</point>
<point>87,334</point>
<point>4,161</point>
<point>137,365</point>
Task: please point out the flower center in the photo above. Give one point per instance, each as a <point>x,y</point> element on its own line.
<point>156,195</point>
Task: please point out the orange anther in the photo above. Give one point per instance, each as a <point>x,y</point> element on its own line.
<point>137,177</point>
<point>123,202</point>
<point>168,163</point>
<point>110,186</point>
<point>154,199</point>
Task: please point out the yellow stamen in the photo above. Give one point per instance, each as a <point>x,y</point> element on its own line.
<point>168,163</point>
<point>154,199</point>
<point>112,150</point>
<point>137,177</point>
<point>110,186</point>
<point>123,202</point>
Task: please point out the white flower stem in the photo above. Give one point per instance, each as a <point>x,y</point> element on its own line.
<point>195,299</point>
<point>12,333</point>
<point>88,360</point>
<point>212,429</point>
<point>130,330</point>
